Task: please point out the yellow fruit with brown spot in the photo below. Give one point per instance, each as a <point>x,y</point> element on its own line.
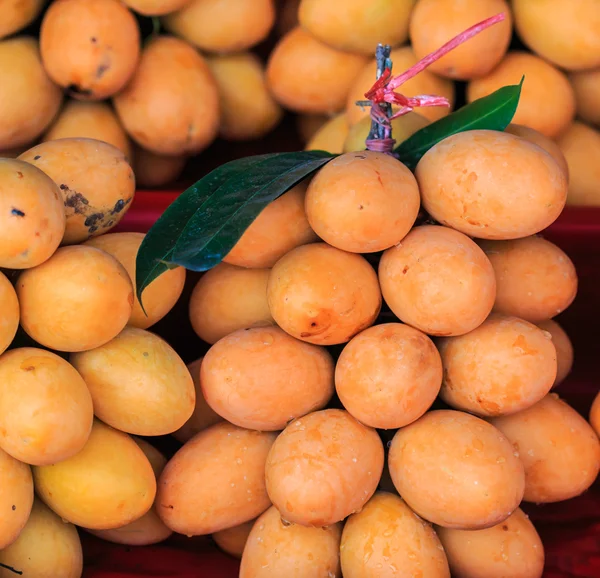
<point>95,120</point>
<point>107,485</point>
<point>331,136</point>
<point>89,47</point>
<point>323,295</point>
<point>248,111</point>
<point>16,498</point>
<point>96,181</point>
<point>280,227</point>
<point>41,393</point>
<point>138,382</point>
<point>424,83</point>
<point>30,100</point>
<point>355,25</point>
<point>46,548</point>
<point>79,299</point>
<point>160,296</point>
<point>228,464</point>
<point>171,105</point>
<point>306,75</point>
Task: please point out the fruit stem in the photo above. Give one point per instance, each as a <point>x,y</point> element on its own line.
<point>380,136</point>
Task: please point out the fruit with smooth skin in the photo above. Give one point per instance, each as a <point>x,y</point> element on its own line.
<point>155,7</point>
<point>564,348</point>
<point>155,171</point>
<point>586,84</point>
<point>331,136</point>
<point>233,540</point>
<point>9,313</point>
<point>18,14</point>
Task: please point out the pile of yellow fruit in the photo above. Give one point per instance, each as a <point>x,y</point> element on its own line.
<point>231,69</point>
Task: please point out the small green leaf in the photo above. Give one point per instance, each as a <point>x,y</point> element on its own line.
<point>213,231</point>
<point>155,253</point>
<point>492,112</point>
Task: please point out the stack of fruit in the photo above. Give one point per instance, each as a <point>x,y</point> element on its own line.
<point>230,69</point>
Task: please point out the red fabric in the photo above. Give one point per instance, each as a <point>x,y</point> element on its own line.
<point>570,530</point>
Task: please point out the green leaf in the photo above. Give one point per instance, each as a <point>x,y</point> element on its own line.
<point>492,112</point>
<point>215,228</point>
<point>156,251</point>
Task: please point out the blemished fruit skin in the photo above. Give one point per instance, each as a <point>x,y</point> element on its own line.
<point>448,459</point>
<point>278,548</point>
<point>30,100</point>
<point>215,481</point>
<point>465,184</point>
<point>387,534</point>
<point>355,25</point>
<point>557,446</point>
<point>435,22</point>
<point>96,181</point>
<point>171,104</point>
<point>560,31</point>
<point>89,47</point>
<point>299,73</point>
<point>324,445</point>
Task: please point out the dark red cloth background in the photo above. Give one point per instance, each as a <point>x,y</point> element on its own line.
<point>570,530</point>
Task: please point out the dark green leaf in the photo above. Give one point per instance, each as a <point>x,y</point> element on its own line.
<point>215,228</point>
<point>492,112</point>
<point>155,254</point>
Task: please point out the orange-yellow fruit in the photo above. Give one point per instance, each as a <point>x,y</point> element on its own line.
<point>30,100</point>
<point>248,111</point>
<point>262,378</point>
<point>228,298</point>
<point>563,32</point>
<point>203,416</point>
<point>47,547</point>
<point>456,470</point>
<point>402,127</point>
<point>504,366</point>
<point>96,181</point>
<point>586,84</point>
<point>547,111</point>
<point>171,104</point>
<point>563,346</point>
<point>595,414</point>
<point>138,383</point>
<point>89,47</point>
<point>277,548</point>
<point>305,75</point>
<point>323,295</point>
<point>9,313</point>
<point>580,144</point>
<point>16,497</point>
<point>160,296</point>
<point>388,375</point>
<point>354,25</point>
<point>18,14</point>
<point>511,548</point>
<point>308,125</point>
<point>435,22</point>
<point>222,26</point>
<point>424,83</point>
<point>465,184</point>
<point>323,467</point>
<point>107,485</point>
<point>386,538</point>
<point>149,529</point>
<point>215,481</point>
<point>154,171</point>
<point>95,120</point>
<point>233,540</point>
<point>535,279</point>
<point>280,227</point>
<point>362,202</point>
<point>331,136</point>
<point>559,449</point>
<point>438,280</point>
<point>32,215</point>
<point>155,7</point>
<point>536,137</point>
<point>77,300</point>
<point>45,407</point>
